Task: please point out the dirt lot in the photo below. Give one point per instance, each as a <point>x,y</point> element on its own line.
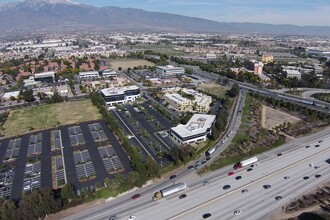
<point>312,205</point>
<point>272,117</point>
<point>213,88</point>
<point>129,63</point>
<point>48,116</point>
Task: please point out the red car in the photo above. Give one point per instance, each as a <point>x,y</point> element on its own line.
<point>231,173</point>
<point>136,196</point>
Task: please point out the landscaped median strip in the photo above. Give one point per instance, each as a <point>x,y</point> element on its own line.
<point>248,184</point>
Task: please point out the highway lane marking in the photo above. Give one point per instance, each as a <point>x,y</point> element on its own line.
<point>248,184</point>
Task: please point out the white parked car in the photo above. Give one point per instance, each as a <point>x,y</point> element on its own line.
<point>27,187</point>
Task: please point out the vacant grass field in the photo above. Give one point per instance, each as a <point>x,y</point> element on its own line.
<point>126,63</point>
<point>213,88</point>
<point>49,115</point>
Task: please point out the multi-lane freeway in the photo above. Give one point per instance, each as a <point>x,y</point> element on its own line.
<point>297,161</point>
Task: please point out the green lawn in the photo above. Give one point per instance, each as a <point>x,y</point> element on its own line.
<point>49,116</point>
<point>214,89</point>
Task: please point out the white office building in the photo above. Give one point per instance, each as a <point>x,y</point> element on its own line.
<point>89,74</point>
<point>109,73</point>
<point>196,130</point>
<point>169,70</point>
<point>120,95</point>
<point>293,73</point>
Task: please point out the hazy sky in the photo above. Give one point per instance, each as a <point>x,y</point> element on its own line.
<point>299,12</point>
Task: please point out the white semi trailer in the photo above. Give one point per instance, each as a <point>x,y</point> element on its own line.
<point>246,162</point>
<point>169,190</point>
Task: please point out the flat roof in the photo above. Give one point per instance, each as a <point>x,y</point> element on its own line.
<point>44,74</point>
<point>295,72</point>
<point>88,73</point>
<point>117,90</point>
<point>7,95</point>
<point>177,98</point>
<point>169,67</point>
<point>199,123</point>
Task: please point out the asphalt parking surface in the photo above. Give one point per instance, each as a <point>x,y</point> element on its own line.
<point>35,160</point>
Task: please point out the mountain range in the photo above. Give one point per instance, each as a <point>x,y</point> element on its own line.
<point>55,15</point>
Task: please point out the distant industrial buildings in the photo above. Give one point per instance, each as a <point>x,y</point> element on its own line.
<point>196,130</point>
<point>170,70</point>
<point>120,95</point>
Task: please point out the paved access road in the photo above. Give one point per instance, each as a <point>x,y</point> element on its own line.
<point>256,203</point>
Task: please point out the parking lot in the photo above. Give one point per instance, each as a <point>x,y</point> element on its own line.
<point>76,136</point>
<point>13,149</point>
<point>82,155</point>
<point>58,178</point>
<point>110,159</point>
<point>84,166</point>
<point>56,139</point>
<point>35,145</point>
<point>6,181</point>
<point>32,176</point>
<point>144,123</point>
<point>97,132</point>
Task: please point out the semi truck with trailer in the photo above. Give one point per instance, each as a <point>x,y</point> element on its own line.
<point>246,162</point>
<point>169,190</point>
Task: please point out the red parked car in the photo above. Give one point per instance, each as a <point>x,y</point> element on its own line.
<point>136,196</point>
<point>231,173</point>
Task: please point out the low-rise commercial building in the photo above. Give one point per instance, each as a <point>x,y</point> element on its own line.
<point>187,100</point>
<point>293,73</point>
<point>169,70</point>
<point>267,58</point>
<point>89,74</point>
<point>178,102</point>
<point>7,96</point>
<point>120,95</point>
<point>46,77</point>
<point>108,73</point>
<point>201,102</point>
<point>196,130</point>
